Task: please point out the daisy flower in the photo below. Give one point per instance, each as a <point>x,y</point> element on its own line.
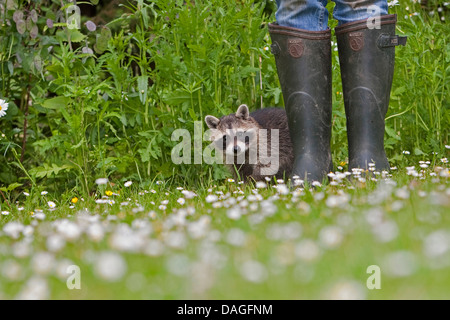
<point>3,107</point>
<point>128,183</point>
<point>101,181</point>
<point>188,194</point>
<point>260,185</point>
<point>393,3</point>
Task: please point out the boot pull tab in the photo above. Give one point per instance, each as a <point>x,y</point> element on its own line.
<point>386,40</point>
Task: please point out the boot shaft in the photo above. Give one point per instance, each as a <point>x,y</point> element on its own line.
<point>303,60</point>
<point>366,56</point>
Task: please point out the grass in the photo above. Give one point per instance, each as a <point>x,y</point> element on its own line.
<point>233,241</point>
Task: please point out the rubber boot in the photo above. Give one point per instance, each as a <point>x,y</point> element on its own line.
<point>303,60</point>
<point>366,57</point>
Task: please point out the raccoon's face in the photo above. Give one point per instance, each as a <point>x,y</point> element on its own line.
<point>233,134</point>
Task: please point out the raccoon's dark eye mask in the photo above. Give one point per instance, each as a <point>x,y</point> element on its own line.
<point>247,135</point>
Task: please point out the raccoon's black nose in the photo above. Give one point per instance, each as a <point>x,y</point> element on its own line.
<point>236,149</point>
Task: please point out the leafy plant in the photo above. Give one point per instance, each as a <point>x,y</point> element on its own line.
<point>89,100</point>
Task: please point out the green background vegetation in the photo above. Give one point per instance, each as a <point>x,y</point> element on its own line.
<point>86,104</point>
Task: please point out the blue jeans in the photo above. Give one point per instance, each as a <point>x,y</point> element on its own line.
<point>313,16</point>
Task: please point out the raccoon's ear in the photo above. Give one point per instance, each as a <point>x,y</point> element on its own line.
<point>212,122</point>
<point>242,112</point>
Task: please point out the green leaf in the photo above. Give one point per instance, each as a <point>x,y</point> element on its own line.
<point>12,111</point>
<point>102,40</point>
<point>142,82</point>
<point>11,4</point>
<point>193,114</point>
<point>178,97</point>
<point>59,24</point>
<point>76,36</point>
<point>11,187</point>
<point>107,162</point>
<point>111,127</point>
<point>391,133</point>
<point>56,103</point>
<point>29,23</point>
<point>47,171</point>
<point>399,90</point>
<point>79,144</point>
<point>33,15</point>
<point>21,26</point>
<point>11,67</point>
<point>247,71</point>
<point>418,152</point>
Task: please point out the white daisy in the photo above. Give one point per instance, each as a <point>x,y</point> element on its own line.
<point>101,181</point>
<point>188,194</point>
<point>51,204</point>
<point>393,3</point>
<point>3,107</point>
<point>128,183</point>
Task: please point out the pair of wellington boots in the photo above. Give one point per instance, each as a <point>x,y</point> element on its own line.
<point>303,60</point>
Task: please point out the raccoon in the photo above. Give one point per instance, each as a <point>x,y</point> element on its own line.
<point>254,145</point>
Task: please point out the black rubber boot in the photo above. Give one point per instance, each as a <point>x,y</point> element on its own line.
<point>303,60</point>
<point>367,66</point>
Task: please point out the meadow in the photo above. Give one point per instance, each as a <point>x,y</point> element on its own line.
<point>92,206</point>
